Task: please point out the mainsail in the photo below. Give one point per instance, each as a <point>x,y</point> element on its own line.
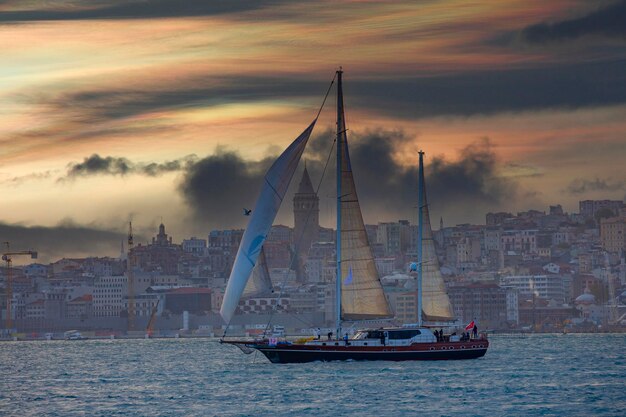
<point>275,186</point>
<point>435,302</point>
<point>260,282</point>
<point>362,295</point>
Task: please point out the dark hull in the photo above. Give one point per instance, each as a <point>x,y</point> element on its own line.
<point>286,353</point>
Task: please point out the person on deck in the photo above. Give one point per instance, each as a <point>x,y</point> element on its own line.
<point>345,338</point>
<point>475,331</point>
<point>318,333</point>
<point>382,338</point>
<point>330,335</point>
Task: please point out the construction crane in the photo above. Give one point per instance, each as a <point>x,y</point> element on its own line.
<point>131,279</point>
<point>6,256</point>
<point>152,315</point>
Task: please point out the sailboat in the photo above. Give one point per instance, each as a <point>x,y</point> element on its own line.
<point>359,292</point>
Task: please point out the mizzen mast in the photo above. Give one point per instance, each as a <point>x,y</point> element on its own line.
<point>340,133</point>
<point>420,235</point>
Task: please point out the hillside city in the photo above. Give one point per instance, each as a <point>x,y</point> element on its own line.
<point>543,271</point>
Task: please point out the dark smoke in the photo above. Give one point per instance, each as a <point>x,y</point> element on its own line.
<point>64,240</point>
<point>219,186</point>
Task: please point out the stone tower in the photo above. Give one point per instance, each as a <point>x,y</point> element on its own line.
<point>306,213</point>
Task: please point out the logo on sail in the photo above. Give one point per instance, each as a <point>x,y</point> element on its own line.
<point>348,279</point>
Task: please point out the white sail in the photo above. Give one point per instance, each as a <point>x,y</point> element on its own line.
<point>260,281</point>
<point>275,186</point>
<point>435,302</point>
<point>362,295</point>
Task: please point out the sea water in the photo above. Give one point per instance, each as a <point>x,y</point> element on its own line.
<point>532,375</point>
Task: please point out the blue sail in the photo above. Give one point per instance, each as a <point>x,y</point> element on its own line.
<point>275,184</point>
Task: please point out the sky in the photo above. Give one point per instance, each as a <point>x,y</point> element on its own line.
<point>166,111</point>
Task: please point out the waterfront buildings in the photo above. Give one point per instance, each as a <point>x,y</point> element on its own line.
<point>523,270</point>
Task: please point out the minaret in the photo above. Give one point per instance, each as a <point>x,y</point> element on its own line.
<point>306,213</point>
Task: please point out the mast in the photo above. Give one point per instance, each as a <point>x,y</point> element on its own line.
<point>131,280</point>
<point>420,234</point>
<point>340,124</point>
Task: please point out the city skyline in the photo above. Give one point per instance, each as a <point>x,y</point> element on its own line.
<point>129,111</point>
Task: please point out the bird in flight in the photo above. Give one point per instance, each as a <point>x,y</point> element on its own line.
<point>246,212</point>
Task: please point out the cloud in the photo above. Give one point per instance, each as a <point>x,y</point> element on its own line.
<point>110,165</point>
<point>473,178</point>
<point>63,240</point>
<point>464,188</point>
<point>217,187</point>
<point>581,185</point>
<point>608,22</point>
<point>517,170</point>
<point>488,92</point>
<point>416,97</point>
<point>35,176</point>
<point>190,91</point>
<point>126,9</point>
<point>95,164</point>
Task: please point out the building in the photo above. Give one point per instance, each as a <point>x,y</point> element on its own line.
<point>225,239</point>
<point>388,234</point>
<point>278,254</point>
<point>306,214</point>
<point>303,299</point>
<point>484,302</point>
<point>161,255</point>
<point>549,287</point>
<point>262,305</point>
<point>80,307</point>
<point>191,299</point>
<point>145,303</point>
<point>195,246</point>
<point>403,303</point>
<point>280,233</point>
<point>520,241</point>
<point>321,256</point>
<point>589,208</point>
<point>385,266</point>
<point>556,210</point>
<point>108,296</point>
<point>613,234</point>
<point>496,219</point>
<point>35,310</point>
<point>544,317</point>
<point>492,239</point>
<point>395,237</point>
<point>468,252</point>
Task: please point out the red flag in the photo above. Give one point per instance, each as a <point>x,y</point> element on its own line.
<point>470,326</point>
